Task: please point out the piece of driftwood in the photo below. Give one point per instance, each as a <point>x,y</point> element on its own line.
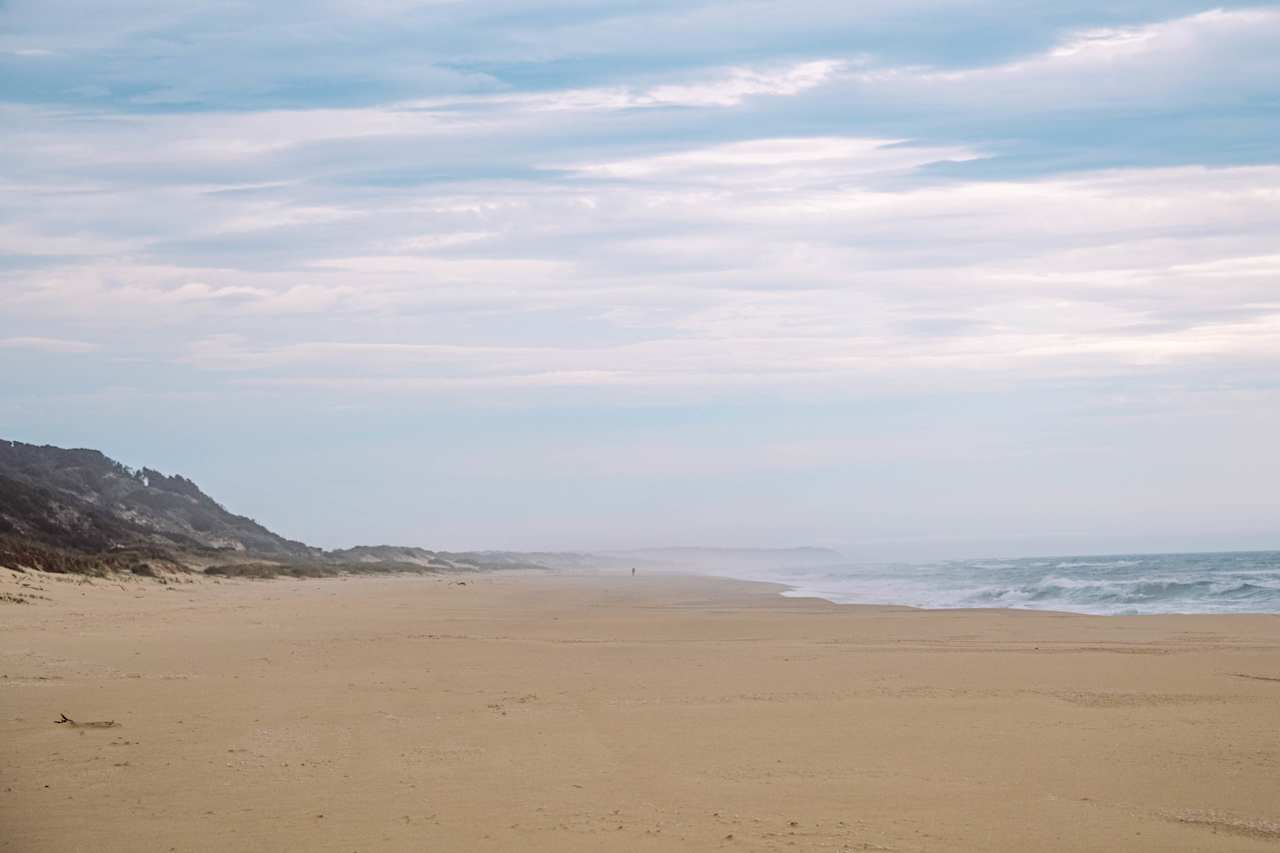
<point>93,724</point>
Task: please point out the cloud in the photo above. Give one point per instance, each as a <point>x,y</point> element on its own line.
<point>780,162</point>
<point>54,345</point>
<point>728,89</point>
<point>204,55</point>
<point>1202,55</point>
<point>725,224</point>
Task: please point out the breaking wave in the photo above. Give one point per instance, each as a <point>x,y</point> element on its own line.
<point>1142,584</point>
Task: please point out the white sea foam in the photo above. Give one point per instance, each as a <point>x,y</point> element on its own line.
<point>1161,583</point>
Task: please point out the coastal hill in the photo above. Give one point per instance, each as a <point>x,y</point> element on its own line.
<point>462,560</point>
<point>85,500</point>
<point>80,511</point>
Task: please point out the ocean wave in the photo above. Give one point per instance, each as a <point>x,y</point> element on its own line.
<point>1172,583</point>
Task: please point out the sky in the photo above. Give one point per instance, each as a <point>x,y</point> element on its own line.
<point>947,278</point>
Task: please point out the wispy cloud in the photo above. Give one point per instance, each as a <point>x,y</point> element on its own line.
<point>681,204</point>
<point>57,345</point>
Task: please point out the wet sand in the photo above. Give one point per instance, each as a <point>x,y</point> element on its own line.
<point>555,713</point>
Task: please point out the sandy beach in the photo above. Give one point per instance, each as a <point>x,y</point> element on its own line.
<point>555,713</point>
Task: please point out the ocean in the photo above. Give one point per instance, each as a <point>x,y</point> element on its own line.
<point>1235,582</point>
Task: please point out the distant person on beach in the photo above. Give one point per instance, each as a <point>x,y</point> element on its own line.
<point>633,571</point>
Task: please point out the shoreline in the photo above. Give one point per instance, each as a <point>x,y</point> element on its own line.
<point>1155,590</point>
<point>10,581</point>
<point>556,712</point>
<point>785,592</point>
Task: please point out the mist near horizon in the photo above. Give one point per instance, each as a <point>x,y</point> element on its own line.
<point>340,503</point>
<point>911,281</point>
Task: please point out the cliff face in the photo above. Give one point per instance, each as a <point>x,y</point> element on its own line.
<point>85,501</point>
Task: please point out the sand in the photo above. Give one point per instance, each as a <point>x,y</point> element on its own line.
<point>553,713</point>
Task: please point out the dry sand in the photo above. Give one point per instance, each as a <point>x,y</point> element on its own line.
<point>551,713</point>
